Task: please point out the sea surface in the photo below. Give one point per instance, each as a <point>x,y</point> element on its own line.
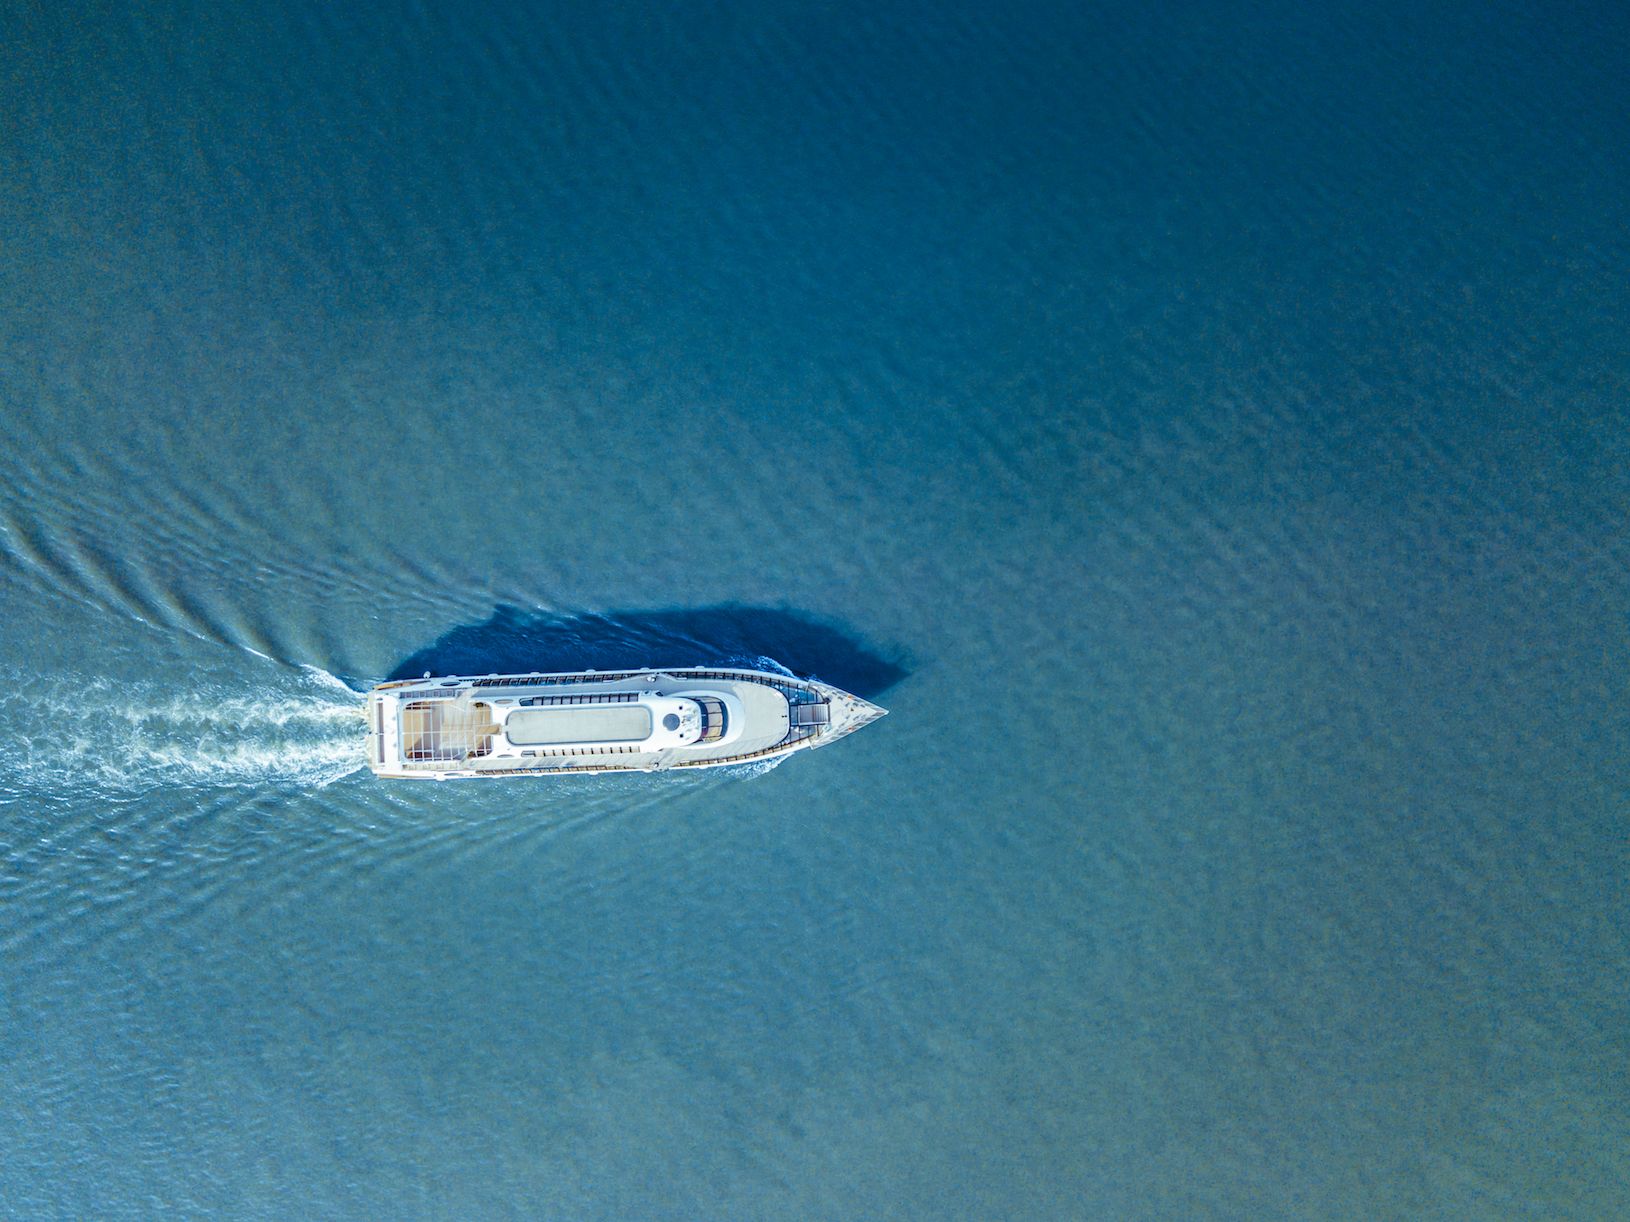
<point>1205,428</point>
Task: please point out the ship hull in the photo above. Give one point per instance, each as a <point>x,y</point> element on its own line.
<point>571,723</point>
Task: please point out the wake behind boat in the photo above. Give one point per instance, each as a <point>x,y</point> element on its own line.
<point>598,721</point>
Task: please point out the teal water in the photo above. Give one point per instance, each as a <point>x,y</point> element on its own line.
<point>1205,430</point>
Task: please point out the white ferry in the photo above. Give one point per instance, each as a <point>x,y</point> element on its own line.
<point>596,721</point>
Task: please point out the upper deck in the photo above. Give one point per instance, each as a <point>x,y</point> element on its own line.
<point>599,722</point>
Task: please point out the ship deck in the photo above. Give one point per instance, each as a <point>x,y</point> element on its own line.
<point>459,734</point>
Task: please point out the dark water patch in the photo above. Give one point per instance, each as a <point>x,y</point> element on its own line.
<point>516,641</point>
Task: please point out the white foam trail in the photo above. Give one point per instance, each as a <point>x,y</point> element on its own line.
<point>743,661</point>
<point>755,768</point>
<point>297,727</point>
<point>332,682</point>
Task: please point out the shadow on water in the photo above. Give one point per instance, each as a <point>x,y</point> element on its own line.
<point>515,641</point>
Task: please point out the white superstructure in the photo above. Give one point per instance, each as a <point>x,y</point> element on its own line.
<point>590,721</point>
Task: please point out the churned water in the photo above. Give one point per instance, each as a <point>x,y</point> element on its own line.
<point>1203,428</point>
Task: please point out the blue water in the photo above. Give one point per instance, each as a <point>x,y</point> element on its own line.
<point>1204,428</point>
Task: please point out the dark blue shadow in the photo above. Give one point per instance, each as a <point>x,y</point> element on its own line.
<point>515,641</point>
